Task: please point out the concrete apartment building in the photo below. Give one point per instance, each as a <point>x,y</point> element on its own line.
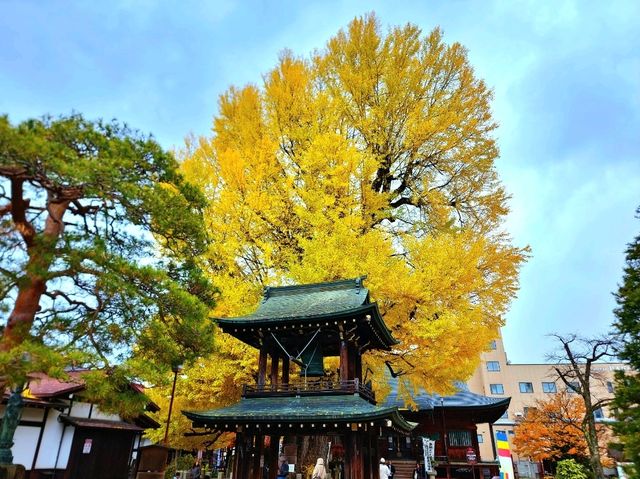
<point>524,383</point>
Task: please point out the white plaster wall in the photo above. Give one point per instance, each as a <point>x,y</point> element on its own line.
<point>65,448</point>
<point>80,409</point>
<point>24,446</point>
<point>52,447</point>
<point>98,414</point>
<point>50,441</point>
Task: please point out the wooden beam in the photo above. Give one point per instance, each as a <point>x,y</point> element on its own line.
<point>275,360</point>
<point>285,370</point>
<point>344,360</point>
<point>262,366</point>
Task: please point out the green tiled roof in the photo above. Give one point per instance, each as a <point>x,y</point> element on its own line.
<point>310,300</point>
<point>483,408</point>
<point>312,305</point>
<point>304,409</point>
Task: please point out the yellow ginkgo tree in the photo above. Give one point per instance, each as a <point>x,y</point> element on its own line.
<point>374,156</point>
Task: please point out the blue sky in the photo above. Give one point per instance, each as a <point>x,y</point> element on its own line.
<point>566,77</point>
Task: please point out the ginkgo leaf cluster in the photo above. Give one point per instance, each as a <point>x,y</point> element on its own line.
<point>374,156</point>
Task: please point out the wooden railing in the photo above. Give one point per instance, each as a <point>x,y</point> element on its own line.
<point>310,387</point>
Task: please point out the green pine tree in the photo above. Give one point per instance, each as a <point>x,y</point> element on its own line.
<point>627,395</point>
<point>99,233</point>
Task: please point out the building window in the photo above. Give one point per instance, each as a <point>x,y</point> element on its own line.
<point>610,387</point>
<point>496,388</point>
<point>493,345</point>
<point>505,415</point>
<point>460,438</point>
<point>493,366</point>
<point>526,387</point>
<point>525,411</point>
<point>480,438</point>
<point>549,388</point>
<point>573,387</point>
<point>598,413</point>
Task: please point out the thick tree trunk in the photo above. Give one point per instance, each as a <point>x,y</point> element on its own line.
<point>312,448</point>
<point>40,251</point>
<point>23,314</point>
<point>594,452</point>
<point>32,287</point>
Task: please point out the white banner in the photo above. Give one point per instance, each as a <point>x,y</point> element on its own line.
<point>428,449</point>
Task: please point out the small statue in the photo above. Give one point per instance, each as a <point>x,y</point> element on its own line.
<point>9,424</point>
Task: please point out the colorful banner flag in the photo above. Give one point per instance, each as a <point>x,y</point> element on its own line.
<point>504,456</point>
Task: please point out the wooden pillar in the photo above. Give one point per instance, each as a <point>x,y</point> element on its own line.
<point>239,456</point>
<point>257,448</point>
<point>344,360</point>
<point>274,369</point>
<point>476,445</point>
<point>357,472</point>
<point>493,443</point>
<point>358,357</point>
<point>285,370</point>
<point>262,366</point>
<point>348,455</point>
<point>373,455</point>
<point>352,353</point>
<point>272,462</point>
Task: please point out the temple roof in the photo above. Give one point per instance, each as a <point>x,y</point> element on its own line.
<point>297,410</point>
<point>484,408</point>
<point>311,300</point>
<point>313,305</point>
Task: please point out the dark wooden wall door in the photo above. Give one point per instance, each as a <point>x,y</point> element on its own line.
<point>100,454</point>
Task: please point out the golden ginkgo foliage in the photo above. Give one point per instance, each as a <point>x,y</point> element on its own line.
<point>203,385</point>
<point>375,156</point>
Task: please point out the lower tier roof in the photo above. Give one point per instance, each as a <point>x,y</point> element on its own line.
<point>481,409</point>
<point>299,410</point>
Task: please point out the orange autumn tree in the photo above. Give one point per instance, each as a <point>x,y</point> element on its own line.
<point>375,156</point>
<point>553,430</point>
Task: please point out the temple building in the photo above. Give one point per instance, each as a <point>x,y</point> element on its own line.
<point>299,409</point>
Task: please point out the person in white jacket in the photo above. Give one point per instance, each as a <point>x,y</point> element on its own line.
<point>319,472</point>
<point>384,469</point>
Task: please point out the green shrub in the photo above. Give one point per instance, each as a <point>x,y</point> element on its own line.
<point>184,463</point>
<point>570,469</point>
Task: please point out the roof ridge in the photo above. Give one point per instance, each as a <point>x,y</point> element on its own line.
<point>353,283</point>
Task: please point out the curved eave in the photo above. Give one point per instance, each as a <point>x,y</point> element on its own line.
<point>302,412</point>
<point>392,414</point>
<point>387,337</point>
<point>489,413</point>
<point>252,322</point>
<point>244,327</point>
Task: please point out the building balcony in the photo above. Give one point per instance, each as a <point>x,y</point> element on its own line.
<point>310,387</point>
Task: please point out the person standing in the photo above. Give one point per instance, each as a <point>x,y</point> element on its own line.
<point>283,467</point>
<point>384,469</point>
<point>319,472</point>
<point>195,471</point>
<point>392,469</point>
<point>418,472</point>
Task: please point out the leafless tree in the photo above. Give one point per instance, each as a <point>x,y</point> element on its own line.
<point>574,366</point>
